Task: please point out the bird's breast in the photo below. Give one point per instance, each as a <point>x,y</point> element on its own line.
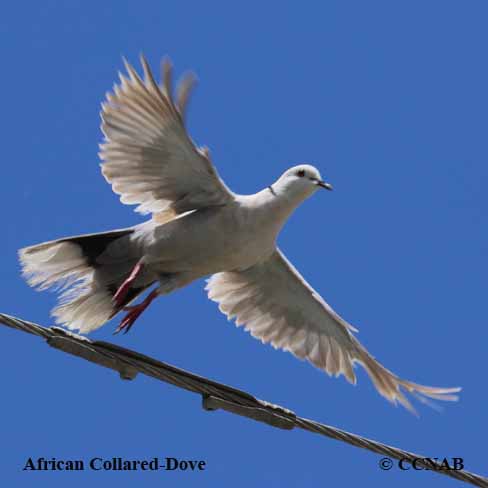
<point>211,240</point>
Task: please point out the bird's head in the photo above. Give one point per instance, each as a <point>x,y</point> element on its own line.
<point>299,182</point>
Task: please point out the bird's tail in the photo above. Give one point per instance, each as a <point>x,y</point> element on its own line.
<point>390,385</point>
<point>88,270</point>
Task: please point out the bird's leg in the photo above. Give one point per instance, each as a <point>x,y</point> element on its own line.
<point>135,311</point>
<point>121,293</point>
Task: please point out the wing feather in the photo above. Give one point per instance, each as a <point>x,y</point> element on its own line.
<point>276,305</point>
<point>147,156</point>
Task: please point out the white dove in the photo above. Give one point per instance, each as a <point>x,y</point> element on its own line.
<point>198,228</point>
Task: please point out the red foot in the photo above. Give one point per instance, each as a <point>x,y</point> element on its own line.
<point>134,312</point>
<point>121,293</point>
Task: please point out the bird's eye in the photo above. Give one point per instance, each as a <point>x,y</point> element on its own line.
<point>301,173</point>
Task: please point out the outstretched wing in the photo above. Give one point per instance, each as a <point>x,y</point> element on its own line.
<point>275,304</point>
<point>147,155</point>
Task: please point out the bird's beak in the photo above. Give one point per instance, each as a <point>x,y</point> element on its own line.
<point>325,185</point>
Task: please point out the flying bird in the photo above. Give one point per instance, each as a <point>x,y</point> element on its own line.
<point>198,227</point>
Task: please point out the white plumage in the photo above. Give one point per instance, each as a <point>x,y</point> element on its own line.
<point>198,228</point>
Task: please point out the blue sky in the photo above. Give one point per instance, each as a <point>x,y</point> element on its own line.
<point>389,101</point>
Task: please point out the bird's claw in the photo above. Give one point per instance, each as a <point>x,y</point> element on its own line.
<point>129,319</point>
<point>134,311</point>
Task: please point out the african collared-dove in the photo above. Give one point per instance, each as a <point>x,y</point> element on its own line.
<point>198,228</point>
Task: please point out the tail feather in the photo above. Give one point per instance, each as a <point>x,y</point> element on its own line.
<point>86,312</point>
<point>56,263</point>
<point>79,268</point>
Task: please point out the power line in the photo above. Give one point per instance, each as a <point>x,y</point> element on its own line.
<point>216,395</point>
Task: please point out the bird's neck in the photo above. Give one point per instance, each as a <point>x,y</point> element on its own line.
<point>272,207</point>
